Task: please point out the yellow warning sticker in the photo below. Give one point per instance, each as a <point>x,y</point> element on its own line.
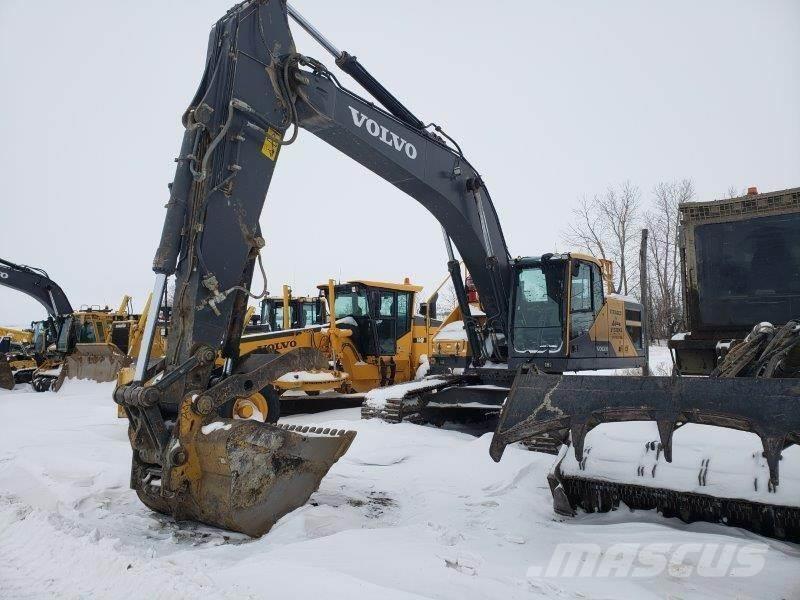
<point>271,144</point>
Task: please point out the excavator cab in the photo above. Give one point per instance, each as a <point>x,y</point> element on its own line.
<point>563,317</point>
<point>45,333</point>
<point>302,312</point>
<point>379,315</point>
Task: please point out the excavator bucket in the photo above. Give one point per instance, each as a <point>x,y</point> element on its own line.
<point>236,474</point>
<point>99,362</point>
<point>6,374</point>
<point>245,475</point>
<point>568,407</point>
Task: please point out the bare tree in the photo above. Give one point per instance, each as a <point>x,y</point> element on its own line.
<point>664,270</point>
<point>733,192</point>
<point>606,226</point>
<point>446,301</point>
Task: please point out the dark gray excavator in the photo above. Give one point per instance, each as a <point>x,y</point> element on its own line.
<point>37,284</point>
<point>544,315</point>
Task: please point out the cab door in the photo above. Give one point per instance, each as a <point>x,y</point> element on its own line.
<point>386,322</point>
<point>599,331</point>
<point>581,310</point>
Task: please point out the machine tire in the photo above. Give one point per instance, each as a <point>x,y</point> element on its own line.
<point>41,384</point>
<point>267,400</point>
<point>273,397</point>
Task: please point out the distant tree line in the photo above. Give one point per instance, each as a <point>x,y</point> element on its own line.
<point>608,225</point>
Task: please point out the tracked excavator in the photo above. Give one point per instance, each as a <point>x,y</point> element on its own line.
<point>91,343</point>
<point>544,315</point>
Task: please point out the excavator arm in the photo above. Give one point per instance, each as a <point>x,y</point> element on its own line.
<point>255,94</point>
<point>37,284</point>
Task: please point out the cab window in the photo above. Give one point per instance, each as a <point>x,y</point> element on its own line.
<point>86,334</point>
<point>309,314</point>
<point>403,313</point>
<point>64,335</point>
<point>538,313</point>
<point>386,323</point>
<point>350,303</point>
<point>597,288</point>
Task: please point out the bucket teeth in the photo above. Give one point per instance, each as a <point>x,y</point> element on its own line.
<point>301,429</point>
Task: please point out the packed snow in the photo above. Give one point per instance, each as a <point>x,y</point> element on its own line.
<point>214,426</point>
<point>310,377</point>
<point>377,398</point>
<point>409,512</point>
<point>452,332</point>
<point>705,460</point>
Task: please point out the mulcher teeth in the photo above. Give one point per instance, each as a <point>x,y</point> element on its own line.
<point>539,403</point>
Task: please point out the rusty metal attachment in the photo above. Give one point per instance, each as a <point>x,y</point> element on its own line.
<point>240,475</point>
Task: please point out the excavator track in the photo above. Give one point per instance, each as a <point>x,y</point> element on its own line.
<point>406,401</point>
<point>392,411</point>
<point>592,495</point>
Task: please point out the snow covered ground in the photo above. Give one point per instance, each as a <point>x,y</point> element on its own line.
<point>408,512</point>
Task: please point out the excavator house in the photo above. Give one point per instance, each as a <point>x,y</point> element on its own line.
<point>192,459</point>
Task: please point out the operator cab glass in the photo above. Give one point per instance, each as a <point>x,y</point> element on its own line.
<point>538,309</point>
<point>378,317</point>
<point>40,331</point>
<point>310,313</point>
<point>65,335</point>
<point>86,333</point>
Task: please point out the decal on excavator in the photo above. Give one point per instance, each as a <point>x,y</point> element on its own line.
<point>271,145</point>
<point>380,132</point>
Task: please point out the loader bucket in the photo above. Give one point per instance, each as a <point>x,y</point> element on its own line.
<point>6,374</point>
<point>99,362</point>
<point>243,475</point>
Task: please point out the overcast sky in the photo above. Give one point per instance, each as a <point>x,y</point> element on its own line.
<point>550,100</point>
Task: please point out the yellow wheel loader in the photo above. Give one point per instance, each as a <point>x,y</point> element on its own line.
<point>289,312</point>
<point>372,339</point>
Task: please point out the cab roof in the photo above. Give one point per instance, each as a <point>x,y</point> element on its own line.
<point>561,256</point>
<point>398,287</point>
